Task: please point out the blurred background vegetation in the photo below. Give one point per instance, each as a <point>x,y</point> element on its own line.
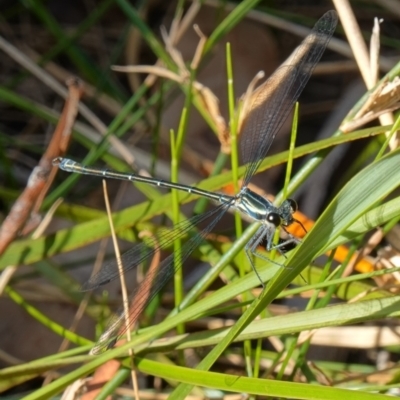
<point>124,122</point>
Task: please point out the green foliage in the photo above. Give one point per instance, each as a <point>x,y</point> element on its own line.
<point>365,201</point>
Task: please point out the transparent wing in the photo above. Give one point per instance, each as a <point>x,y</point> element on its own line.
<point>154,280</point>
<point>272,101</point>
<point>142,251</point>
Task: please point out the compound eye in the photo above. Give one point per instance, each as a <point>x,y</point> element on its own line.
<point>293,205</point>
<point>274,219</point>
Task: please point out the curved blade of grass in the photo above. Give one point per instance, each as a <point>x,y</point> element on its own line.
<point>283,324</point>
<point>29,251</point>
<point>342,313</point>
<point>372,219</point>
<point>360,194</point>
<point>43,319</point>
<point>18,374</point>
<point>337,315</point>
<point>242,384</point>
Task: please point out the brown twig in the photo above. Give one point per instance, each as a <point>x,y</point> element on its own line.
<point>23,216</point>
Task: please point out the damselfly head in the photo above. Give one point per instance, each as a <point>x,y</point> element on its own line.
<point>286,210</point>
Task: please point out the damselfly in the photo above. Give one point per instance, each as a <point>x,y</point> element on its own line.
<point>270,106</point>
